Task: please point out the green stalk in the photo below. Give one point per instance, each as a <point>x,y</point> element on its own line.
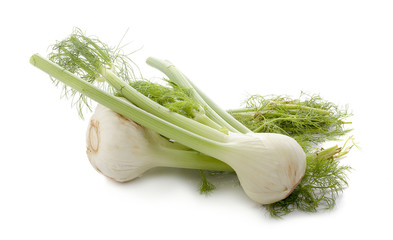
<point>222,113</point>
<point>282,106</point>
<point>205,120</point>
<point>191,160</point>
<point>299,107</point>
<point>128,110</point>
<point>278,119</point>
<point>242,110</point>
<point>329,152</point>
<point>156,109</point>
<point>212,110</point>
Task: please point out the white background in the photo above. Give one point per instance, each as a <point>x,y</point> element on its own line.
<point>342,50</point>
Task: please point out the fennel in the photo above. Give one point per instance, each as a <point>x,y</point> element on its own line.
<point>217,134</point>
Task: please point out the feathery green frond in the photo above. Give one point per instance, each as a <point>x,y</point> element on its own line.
<point>205,187</point>
<point>172,97</point>
<point>309,119</point>
<point>83,56</point>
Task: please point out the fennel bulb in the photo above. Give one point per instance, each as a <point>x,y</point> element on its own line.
<point>268,165</point>
<point>122,150</point>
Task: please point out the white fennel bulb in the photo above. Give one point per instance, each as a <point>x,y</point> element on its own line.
<point>268,165</point>
<point>122,150</point>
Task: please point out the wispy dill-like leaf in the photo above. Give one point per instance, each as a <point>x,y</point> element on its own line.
<point>83,56</point>
<point>309,119</point>
<point>172,97</point>
<point>205,187</point>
